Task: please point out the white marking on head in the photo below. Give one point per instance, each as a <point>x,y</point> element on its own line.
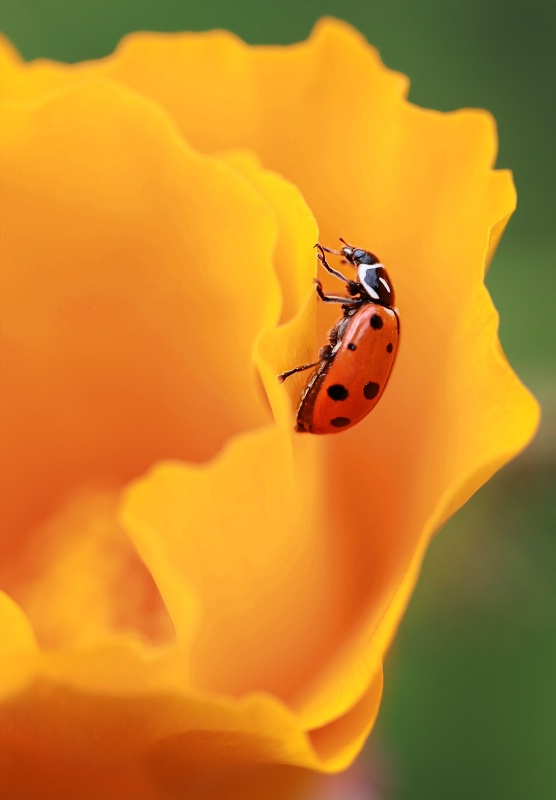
<point>385,284</point>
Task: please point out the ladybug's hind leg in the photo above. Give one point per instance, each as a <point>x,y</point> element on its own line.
<point>283,375</point>
<point>325,353</point>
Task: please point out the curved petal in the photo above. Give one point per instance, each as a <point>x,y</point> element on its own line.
<point>256,559</point>
<point>473,416</point>
<point>82,581</point>
<point>294,259</point>
<point>291,343</point>
<point>134,731</point>
<point>131,232</point>
<point>17,633</point>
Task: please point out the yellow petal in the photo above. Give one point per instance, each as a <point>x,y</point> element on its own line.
<point>244,532</point>
<point>291,343</point>
<point>84,581</point>
<point>294,259</point>
<point>17,634</point>
<point>132,233</point>
<point>472,414</point>
<point>150,738</point>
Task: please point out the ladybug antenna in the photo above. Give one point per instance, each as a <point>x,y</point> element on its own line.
<point>346,243</point>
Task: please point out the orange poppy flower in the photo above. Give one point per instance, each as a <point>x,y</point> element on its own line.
<point>197,599</point>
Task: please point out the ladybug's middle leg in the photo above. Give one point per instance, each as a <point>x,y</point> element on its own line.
<point>334,298</point>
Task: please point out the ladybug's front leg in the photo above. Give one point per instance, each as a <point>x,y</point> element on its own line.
<point>352,285</point>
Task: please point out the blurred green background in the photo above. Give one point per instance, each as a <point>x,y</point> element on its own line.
<point>470,702</point>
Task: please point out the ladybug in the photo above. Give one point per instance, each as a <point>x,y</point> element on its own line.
<point>353,369</point>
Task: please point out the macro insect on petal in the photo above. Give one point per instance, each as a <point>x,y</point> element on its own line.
<point>352,370</point>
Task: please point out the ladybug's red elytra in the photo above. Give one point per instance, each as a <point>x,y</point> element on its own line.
<point>353,369</point>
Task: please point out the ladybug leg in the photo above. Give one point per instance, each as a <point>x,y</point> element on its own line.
<point>282,377</point>
<point>322,258</point>
<point>328,249</point>
<point>325,354</point>
<point>333,298</point>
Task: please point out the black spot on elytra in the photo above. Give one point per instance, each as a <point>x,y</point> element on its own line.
<point>376,322</point>
<point>371,390</point>
<point>352,346</point>
<point>337,391</point>
<point>340,422</point>
<point>389,347</point>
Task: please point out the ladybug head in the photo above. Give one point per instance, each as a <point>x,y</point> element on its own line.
<point>372,276</point>
<point>357,256</point>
